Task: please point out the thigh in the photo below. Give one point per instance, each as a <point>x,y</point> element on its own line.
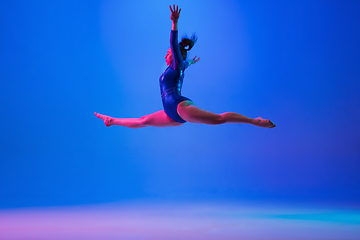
<point>160,119</point>
<point>191,113</point>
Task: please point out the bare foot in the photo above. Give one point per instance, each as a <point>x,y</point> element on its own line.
<point>264,123</point>
<point>107,120</point>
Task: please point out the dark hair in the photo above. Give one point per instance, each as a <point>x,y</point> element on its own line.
<point>186,44</point>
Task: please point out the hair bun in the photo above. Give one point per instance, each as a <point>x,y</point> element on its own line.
<point>188,43</point>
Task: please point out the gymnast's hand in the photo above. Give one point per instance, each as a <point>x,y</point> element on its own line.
<point>175,13</point>
<point>193,61</point>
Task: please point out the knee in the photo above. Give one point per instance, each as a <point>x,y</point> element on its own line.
<point>144,120</point>
<point>219,119</point>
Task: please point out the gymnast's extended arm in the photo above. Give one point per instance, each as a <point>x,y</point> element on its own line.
<point>174,44</point>
<point>175,14</point>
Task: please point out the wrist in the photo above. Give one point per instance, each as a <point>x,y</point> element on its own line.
<point>174,26</point>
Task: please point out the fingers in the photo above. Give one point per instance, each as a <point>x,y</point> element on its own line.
<point>196,60</point>
<point>173,9</point>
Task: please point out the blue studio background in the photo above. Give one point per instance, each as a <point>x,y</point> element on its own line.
<point>296,63</point>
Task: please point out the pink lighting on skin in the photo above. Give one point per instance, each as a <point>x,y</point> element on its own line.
<point>169,57</point>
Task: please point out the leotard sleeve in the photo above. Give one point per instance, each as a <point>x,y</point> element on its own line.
<point>178,62</point>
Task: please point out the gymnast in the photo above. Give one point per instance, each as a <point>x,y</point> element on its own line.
<point>179,109</point>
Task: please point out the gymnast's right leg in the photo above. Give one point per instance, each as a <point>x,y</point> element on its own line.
<point>157,119</point>
<point>191,113</point>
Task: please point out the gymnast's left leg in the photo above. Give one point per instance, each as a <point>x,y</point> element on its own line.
<point>156,119</point>
<point>191,113</point>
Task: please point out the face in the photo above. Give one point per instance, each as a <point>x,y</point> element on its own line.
<point>169,57</point>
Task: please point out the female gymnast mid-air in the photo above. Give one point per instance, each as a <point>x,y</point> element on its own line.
<point>179,109</point>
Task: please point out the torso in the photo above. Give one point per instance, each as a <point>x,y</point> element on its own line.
<point>170,85</point>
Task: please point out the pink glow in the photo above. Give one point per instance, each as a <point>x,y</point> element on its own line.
<point>167,221</point>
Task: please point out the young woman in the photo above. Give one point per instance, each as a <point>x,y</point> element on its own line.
<point>179,109</point>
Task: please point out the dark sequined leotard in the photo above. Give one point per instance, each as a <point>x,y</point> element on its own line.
<point>172,79</point>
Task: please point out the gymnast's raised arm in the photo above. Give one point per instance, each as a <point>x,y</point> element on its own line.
<point>175,14</point>
<point>174,44</point>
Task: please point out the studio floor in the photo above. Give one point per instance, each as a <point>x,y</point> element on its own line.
<point>185,220</point>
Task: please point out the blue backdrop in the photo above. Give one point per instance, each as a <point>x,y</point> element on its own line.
<point>296,63</point>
